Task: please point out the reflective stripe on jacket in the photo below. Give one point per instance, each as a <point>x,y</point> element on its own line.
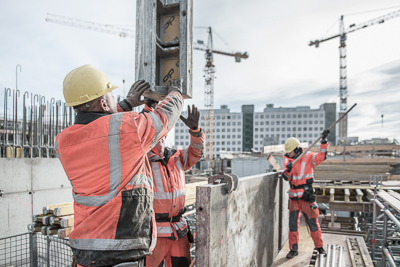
<point>105,160</point>
<point>303,170</point>
<point>169,184</point>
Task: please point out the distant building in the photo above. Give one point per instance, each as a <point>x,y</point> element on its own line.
<point>247,130</point>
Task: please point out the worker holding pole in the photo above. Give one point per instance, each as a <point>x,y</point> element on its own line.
<point>301,193</point>
<point>168,166</point>
<point>104,157</point>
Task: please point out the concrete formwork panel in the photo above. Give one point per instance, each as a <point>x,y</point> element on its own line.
<point>48,174</point>
<point>15,213</point>
<point>13,175</point>
<point>240,228</point>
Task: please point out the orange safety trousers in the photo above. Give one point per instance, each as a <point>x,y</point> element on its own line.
<point>296,207</point>
<point>176,253</point>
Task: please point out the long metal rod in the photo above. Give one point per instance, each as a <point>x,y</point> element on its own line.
<point>340,256</point>
<point>388,257</point>
<point>328,254</point>
<point>388,213</point>
<point>333,261</point>
<point>384,234</point>
<point>319,138</point>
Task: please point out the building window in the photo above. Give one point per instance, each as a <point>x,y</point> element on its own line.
<point>278,116</point>
<point>218,130</point>
<point>267,123</point>
<point>261,129</point>
<point>294,116</point>
<point>305,129</point>
<point>218,142</point>
<point>256,129</point>
<point>299,122</point>
<point>267,129</point>
<point>256,142</point>
<point>239,123</point>
<point>283,135</point>
<point>278,123</point>
<point>261,116</point>
<point>223,124</point>
<point>187,143</point>
<point>305,122</point>
<point>309,135</point>
<point>234,130</point>
<point>310,122</point>
<point>299,129</point>
<point>181,131</point>
<point>315,128</point>
<point>272,116</point>
<point>218,124</point>
<point>218,117</point>
<point>238,130</point>
<point>278,129</point>
<point>256,122</point>
<point>256,116</point>
<point>289,116</point>
<point>228,143</point>
<point>223,117</point>
<point>239,136</point>
<point>272,123</point>
<point>223,143</point>
<point>262,123</point>
<point>262,136</point>
<point>233,142</point>
<point>187,137</point>
<point>223,130</point>
<point>228,117</point>
<point>233,136</point>
<point>217,148</point>
<point>239,116</point>
<point>321,122</point>
<point>283,129</point>
<point>315,135</point>
<point>272,129</point>
<point>267,116</point>
<point>228,123</point>
<point>177,143</point>
<point>218,136</point>
<point>299,116</point>
<point>316,122</point>
<point>283,122</point>
<point>181,143</point>
<point>321,128</point>
<point>228,136</point>
<point>294,129</point>
<point>234,116</point>
<point>233,149</point>
<point>239,149</point>
<point>321,115</point>
<point>260,142</point>
<point>239,142</point>
<point>310,128</point>
<point>202,124</point>
<point>234,123</point>
<point>223,136</point>
<point>283,116</point>
<point>294,122</point>
<point>256,136</point>
<point>288,122</point>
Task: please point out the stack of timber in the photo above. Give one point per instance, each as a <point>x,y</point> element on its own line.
<point>355,170</point>
<point>59,219</point>
<point>55,220</point>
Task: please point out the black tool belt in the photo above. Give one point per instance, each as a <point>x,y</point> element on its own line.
<point>176,218</point>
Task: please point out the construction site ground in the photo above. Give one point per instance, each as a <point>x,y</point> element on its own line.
<point>307,253</point>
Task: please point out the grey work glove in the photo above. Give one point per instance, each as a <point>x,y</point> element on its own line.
<point>192,120</point>
<point>136,91</point>
<point>150,102</point>
<point>175,86</point>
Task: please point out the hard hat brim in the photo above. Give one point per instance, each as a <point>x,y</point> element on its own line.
<point>76,103</point>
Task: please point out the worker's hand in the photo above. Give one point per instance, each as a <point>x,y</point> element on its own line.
<point>284,176</point>
<point>324,135</point>
<point>136,91</point>
<point>289,167</point>
<point>150,102</point>
<point>192,120</point>
<point>175,86</point>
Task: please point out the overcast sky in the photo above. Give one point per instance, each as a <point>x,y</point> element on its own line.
<point>281,69</point>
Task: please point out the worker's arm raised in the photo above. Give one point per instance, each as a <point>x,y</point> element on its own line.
<point>192,154</point>
<point>163,118</point>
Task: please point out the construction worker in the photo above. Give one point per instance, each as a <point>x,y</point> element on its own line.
<point>301,192</point>
<point>168,166</point>
<point>104,155</point>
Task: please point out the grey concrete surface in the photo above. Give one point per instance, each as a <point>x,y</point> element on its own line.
<point>241,228</point>
<point>28,185</point>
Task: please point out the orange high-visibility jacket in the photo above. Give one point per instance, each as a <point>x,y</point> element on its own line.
<point>169,185</point>
<point>105,159</point>
<point>302,172</point>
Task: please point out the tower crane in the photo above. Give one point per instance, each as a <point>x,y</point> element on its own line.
<point>209,72</point>
<point>122,32</point>
<point>343,60</point>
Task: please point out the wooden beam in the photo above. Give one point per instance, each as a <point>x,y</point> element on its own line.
<point>63,210</point>
<point>362,161</point>
<point>50,209</point>
<point>332,193</point>
<point>359,195</point>
<point>374,148</point>
<point>64,232</point>
<point>351,206</point>
<point>392,201</point>
<point>394,194</point>
<point>347,195</point>
<point>370,195</point>
<point>65,221</point>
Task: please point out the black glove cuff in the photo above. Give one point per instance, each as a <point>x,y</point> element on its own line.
<point>196,134</point>
<point>324,141</point>
<point>125,105</point>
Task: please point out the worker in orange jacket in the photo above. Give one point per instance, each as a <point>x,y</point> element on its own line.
<point>168,166</point>
<point>104,155</point>
<point>301,193</point>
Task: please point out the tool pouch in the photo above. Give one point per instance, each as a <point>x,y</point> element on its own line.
<point>309,194</point>
<point>190,236</point>
<point>313,206</point>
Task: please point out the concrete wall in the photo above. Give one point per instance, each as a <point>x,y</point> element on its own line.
<point>243,228</point>
<point>28,185</point>
<point>249,166</point>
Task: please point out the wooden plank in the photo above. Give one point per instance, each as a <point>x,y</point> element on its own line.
<point>65,221</point>
<point>359,195</point>
<point>347,195</point>
<point>364,252</point>
<point>362,161</point>
<point>351,206</point>
<point>394,177</point>
<point>50,209</point>
<point>392,201</point>
<point>63,210</point>
<point>190,198</point>
<point>332,194</point>
<point>370,194</point>
<point>394,194</point>
<point>64,232</point>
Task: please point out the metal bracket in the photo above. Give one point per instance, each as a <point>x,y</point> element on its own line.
<point>230,179</point>
<point>1,193</point>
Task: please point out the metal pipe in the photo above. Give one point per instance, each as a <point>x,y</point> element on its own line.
<point>328,254</point>
<point>321,260</point>
<point>388,257</point>
<point>384,233</point>
<point>388,213</point>
<point>340,256</point>
<point>333,258</point>
<point>373,225</point>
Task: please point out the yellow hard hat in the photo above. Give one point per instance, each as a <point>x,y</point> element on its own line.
<point>85,84</point>
<point>291,144</point>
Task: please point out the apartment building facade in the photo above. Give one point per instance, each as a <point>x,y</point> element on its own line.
<point>248,130</point>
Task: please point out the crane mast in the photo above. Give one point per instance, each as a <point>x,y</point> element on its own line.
<point>209,71</point>
<point>343,60</point>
